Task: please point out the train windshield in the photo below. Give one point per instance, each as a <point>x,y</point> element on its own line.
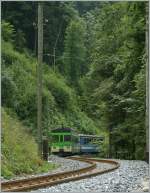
<point>67,138</point>
<point>61,138</point>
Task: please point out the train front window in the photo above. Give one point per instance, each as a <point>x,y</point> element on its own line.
<point>61,138</point>
<point>67,138</point>
<point>55,138</point>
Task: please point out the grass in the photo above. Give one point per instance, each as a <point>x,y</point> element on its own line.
<point>19,150</point>
<point>46,166</point>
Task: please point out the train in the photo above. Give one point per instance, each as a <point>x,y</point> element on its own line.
<point>67,141</point>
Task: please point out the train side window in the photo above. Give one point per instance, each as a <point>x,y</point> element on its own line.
<point>87,140</point>
<point>84,141</point>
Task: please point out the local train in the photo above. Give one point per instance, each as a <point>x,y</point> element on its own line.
<point>66,141</point>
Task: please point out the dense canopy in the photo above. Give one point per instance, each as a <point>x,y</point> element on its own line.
<point>93,71</point>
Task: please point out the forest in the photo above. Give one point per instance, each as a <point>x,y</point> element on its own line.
<point>94,77</point>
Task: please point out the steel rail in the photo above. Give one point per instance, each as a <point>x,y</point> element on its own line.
<point>58,178</point>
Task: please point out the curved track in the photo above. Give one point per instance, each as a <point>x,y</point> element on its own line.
<point>50,180</point>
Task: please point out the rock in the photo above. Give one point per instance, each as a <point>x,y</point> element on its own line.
<point>127,178</point>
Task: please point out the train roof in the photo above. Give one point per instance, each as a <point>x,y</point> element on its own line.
<point>64,129</point>
<point>94,136</point>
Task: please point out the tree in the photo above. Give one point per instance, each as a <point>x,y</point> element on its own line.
<point>22,15</point>
<point>74,54</point>
<point>116,77</point>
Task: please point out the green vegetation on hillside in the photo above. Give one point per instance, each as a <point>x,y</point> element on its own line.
<point>60,104</point>
<point>19,149</point>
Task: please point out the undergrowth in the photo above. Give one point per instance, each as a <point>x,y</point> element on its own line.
<point>19,150</point>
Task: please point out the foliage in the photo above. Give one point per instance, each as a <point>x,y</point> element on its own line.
<point>22,16</point>
<point>96,84</point>
<point>60,104</point>
<point>19,150</point>
<point>116,80</point>
<point>8,32</point>
<point>74,54</point>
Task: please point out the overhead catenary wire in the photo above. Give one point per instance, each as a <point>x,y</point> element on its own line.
<point>54,49</point>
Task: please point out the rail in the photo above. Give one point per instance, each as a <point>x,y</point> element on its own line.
<point>53,179</point>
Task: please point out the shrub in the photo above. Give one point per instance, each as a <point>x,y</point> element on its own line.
<point>19,149</point>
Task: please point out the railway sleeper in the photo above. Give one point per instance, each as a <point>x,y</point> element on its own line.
<point>57,178</point>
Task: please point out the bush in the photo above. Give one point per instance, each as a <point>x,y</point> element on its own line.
<point>64,95</point>
<point>8,90</point>
<point>19,149</point>
<point>8,32</point>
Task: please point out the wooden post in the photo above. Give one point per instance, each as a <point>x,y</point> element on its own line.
<point>39,76</point>
<point>110,142</point>
<point>147,80</point>
<point>45,148</point>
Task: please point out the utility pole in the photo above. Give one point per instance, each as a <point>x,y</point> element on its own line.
<point>147,80</point>
<point>39,76</point>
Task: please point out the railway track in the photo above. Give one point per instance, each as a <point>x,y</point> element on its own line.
<point>53,179</point>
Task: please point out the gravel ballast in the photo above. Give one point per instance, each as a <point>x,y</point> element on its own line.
<point>129,177</point>
<point>66,164</point>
